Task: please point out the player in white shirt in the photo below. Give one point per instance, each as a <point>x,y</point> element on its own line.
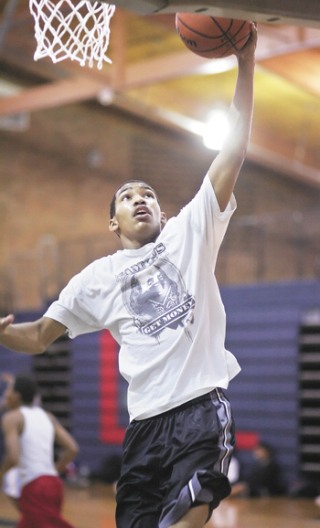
<point>159,298</point>
<point>29,435</point>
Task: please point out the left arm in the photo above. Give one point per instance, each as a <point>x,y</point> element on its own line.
<point>8,380</point>
<point>11,426</point>
<point>225,169</point>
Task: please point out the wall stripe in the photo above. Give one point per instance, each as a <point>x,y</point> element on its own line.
<point>110,429</point>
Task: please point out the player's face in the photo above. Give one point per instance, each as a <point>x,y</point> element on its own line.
<point>138,218</point>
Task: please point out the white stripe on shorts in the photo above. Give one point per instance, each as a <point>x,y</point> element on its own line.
<point>223,410</point>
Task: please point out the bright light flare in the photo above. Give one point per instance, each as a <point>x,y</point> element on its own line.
<point>216,130</point>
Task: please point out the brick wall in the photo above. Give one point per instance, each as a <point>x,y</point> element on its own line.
<point>58,176</point>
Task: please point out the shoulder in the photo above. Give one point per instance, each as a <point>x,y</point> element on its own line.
<point>204,197</point>
<point>54,421</point>
<point>89,275</point>
<point>96,268</point>
<point>204,206</point>
<point>12,419</point>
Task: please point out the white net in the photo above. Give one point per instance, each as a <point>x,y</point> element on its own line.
<point>77,30</point>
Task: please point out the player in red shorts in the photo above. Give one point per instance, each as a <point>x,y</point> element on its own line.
<point>29,435</point>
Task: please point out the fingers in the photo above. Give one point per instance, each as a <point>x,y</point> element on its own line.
<point>6,321</point>
<point>249,48</point>
<point>253,36</point>
<point>254,31</point>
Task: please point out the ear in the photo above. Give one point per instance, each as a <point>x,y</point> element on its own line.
<point>17,397</point>
<point>163,219</point>
<point>114,226</point>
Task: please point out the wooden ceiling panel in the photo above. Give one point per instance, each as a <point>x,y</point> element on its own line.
<point>153,75</point>
<point>301,68</point>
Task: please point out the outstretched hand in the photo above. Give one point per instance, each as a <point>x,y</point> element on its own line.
<point>6,321</point>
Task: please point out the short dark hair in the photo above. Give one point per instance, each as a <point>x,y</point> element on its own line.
<point>112,210</point>
<point>26,386</point>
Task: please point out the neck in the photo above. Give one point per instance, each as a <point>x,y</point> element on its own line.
<point>136,244</point>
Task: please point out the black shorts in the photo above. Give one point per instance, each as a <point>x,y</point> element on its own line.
<point>175,461</point>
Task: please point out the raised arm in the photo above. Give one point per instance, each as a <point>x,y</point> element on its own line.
<point>30,338</point>
<point>225,169</point>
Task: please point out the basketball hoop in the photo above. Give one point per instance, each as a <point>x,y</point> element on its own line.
<point>76,30</point>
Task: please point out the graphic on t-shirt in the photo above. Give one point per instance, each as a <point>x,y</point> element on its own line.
<point>157,298</point>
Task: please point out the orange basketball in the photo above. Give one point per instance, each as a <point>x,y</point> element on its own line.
<point>212,37</point>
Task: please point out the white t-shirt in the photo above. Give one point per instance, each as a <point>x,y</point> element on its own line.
<point>36,445</point>
<point>162,305</point>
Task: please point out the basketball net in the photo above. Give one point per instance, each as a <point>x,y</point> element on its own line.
<point>78,30</point>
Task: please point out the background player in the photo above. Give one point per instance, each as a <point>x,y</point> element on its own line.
<point>29,435</point>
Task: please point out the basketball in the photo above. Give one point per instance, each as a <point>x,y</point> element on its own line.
<point>212,37</point>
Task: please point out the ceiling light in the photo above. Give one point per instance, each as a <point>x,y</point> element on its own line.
<point>216,130</point>
<point>105,96</point>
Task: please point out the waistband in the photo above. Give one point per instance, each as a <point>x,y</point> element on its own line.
<point>213,394</point>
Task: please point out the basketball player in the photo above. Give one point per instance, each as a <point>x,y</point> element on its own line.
<point>159,298</point>
<point>29,435</point>
<point>11,479</point>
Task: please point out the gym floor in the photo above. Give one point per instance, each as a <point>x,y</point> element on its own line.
<point>94,506</point>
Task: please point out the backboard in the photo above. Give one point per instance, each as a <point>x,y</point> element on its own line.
<point>288,12</point>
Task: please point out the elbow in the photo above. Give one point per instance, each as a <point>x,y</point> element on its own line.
<point>245,149</point>
<point>39,349</point>
<point>74,450</point>
<point>236,147</point>
<point>241,153</point>
<point>15,461</point>
<point>34,341</point>
<point>241,146</point>
<point>12,460</point>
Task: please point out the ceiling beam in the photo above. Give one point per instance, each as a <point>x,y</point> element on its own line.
<point>83,88</point>
<point>270,158</point>
<point>51,95</point>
